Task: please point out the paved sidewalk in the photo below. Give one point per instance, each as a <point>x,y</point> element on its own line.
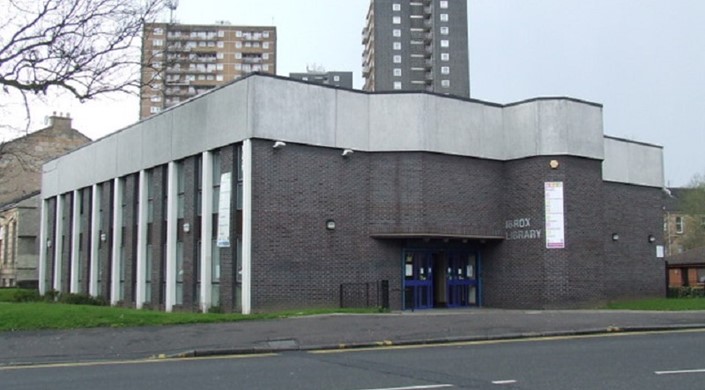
<point>324,332</point>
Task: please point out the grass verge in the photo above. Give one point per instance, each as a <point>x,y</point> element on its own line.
<point>660,304</point>
<point>36,316</point>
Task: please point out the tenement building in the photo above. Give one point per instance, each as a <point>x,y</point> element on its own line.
<point>336,79</point>
<point>417,45</point>
<point>19,224</point>
<point>182,60</point>
<point>271,193</point>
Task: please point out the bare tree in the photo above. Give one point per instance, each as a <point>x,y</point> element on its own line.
<point>86,48</point>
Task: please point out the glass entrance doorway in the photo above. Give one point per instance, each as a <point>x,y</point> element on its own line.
<point>437,278</point>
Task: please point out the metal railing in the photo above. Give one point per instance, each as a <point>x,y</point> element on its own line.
<point>365,294</point>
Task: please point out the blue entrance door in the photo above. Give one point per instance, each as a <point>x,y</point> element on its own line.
<point>462,279</point>
<point>418,280</point>
<point>439,278</point>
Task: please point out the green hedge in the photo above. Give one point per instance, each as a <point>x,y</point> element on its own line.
<point>19,295</point>
<point>686,292</point>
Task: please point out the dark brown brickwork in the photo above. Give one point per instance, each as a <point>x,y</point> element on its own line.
<point>157,231</point>
<point>524,273</point>
<point>129,238</point>
<point>228,256</point>
<point>85,243</point>
<point>106,228</point>
<point>191,238</point>
<point>51,236</point>
<point>66,242</point>
<point>296,262</point>
<point>631,267</point>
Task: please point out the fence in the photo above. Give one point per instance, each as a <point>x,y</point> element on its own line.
<point>369,294</point>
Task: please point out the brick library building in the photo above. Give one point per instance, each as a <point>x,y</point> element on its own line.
<point>269,193</point>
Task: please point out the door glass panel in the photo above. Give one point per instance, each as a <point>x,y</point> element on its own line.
<point>409,267</point>
<point>472,298</point>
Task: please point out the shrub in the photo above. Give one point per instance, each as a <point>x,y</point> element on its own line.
<point>81,299</point>
<point>23,295</point>
<point>215,310</point>
<point>51,296</point>
<point>686,292</point>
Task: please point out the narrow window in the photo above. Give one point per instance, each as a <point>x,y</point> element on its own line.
<point>679,225</point>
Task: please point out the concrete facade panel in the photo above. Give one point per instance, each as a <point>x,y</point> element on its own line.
<point>397,122</point>
<point>157,140</point>
<point>186,136</point>
<point>50,179</point>
<point>352,121</point>
<point>130,150</point>
<point>227,116</point>
<point>467,129</point>
<point>521,140</point>
<point>296,112</point>
<point>270,108</point>
<point>625,161</point>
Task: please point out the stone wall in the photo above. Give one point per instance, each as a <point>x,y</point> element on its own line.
<point>21,159</point>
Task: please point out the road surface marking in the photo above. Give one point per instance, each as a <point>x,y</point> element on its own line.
<point>504,382</point>
<point>676,372</point>
<point>124,362</point>
<point>414,387</point>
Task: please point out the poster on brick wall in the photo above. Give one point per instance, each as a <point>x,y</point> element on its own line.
<point>555,219</point>
<point>223,240</point>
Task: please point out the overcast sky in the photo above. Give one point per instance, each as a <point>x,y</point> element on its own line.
<point>644,60</point>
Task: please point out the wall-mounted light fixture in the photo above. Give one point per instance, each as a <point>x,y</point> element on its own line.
<point>279,144</point>
<point>187,227</point>
<point>651,239</point>
<point>615,237</point>
<point>554,164</point>
<point>49,243</point>
<point>347,152</point>
<point>103,237</point>
<point>330,224</point>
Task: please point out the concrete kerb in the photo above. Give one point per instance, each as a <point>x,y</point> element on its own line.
<point>428,342</point>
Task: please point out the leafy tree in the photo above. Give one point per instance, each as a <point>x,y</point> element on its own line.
<point>692,204</point>
<point>85,48</point>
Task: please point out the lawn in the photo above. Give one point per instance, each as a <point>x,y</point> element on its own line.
<point>40,315</point>
<point>660,304</point>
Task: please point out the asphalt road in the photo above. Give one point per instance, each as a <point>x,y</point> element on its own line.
<point>672,360</point>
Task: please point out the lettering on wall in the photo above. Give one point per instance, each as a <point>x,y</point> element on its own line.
<point>520,229</point>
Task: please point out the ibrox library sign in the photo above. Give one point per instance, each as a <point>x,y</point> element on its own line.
<point>520,229</point>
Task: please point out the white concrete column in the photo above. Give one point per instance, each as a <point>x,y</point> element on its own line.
<point>95,241</point>
<point>117,241</point>
<point>206,231</point>
<point>246,226</point>
<point>58,233</point>
<point>171,221</point>
<point>75,243</point>
<point>141,282</point>
<point>42,266</point>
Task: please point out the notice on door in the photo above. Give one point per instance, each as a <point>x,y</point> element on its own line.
<point>223,240</point>
<point>555,218</point>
